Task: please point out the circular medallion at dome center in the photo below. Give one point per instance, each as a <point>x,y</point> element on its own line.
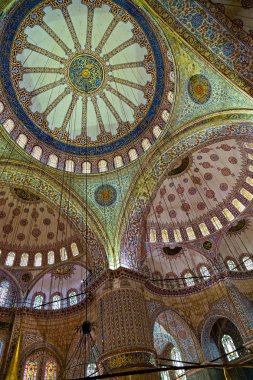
<point>85,73</point>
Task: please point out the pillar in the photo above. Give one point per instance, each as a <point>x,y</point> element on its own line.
<point>124,330</point>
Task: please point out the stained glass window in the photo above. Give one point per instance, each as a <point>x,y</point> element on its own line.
<point>36,152</point>
<point>38,259</point>
<point>229,346</point>
<point>10,259</point>
<point>24,260</point>
<point>231,265</point>
<point>165,236</point>
<point>22,140</point>
<point>157,131</point>
<point>204,272</point>
<point>63,254</point>
<point>118,161</point>
<point>145,144</point>
<point>132,154</point>
<point>165,375</point>
<point>38,301</point>
<point>248,262</point>
<point>177,361</point>
<point>56,302</point>
<point>31,368</point>
<point>52,160</point>
<point>4,288</point>
<point>73,297</point>
<point>50,370</point>
<point>50,257</point>
<point>152,235</point>
<point>92,370</point>
<point>74,249</point>
<point>69,166</point>
<point>86,167</point>
<point>1,348</point>
<point>188,279</point>
<point>102,166</point>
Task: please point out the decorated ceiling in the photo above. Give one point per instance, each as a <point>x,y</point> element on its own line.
<point>239,11</point>
<point>86,91</point>
<point>128,116</point>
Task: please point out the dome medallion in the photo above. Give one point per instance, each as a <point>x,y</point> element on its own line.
<point>85,73</point>
<point>85,78</point>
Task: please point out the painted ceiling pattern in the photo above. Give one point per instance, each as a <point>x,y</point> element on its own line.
<point>201,91</point>
<point>239,11</point>
<point>30,224</point>
<point>216,186</point>
<point>195,17</point>
<point>86,90</point>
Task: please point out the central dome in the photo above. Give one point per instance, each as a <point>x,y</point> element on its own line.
<point>85,77</point>
<point>85,73</point>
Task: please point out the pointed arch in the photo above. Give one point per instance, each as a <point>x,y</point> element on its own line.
<point>170,327</point>
<point>208,346</point>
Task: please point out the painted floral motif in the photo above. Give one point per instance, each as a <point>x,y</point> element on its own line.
<point>199,89</point>
<point>105,195</point>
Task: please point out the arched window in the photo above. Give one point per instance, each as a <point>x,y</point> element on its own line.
<point>188,279</point>
<point>31,368</point>
<point>86,167</point>
<point>4,288</point>
<point>165,115</point>
<point>52,161</point>
<point>157,131</point>
<point>177,235</point>
<point>204,272</point>
<point>177,362</point>
<point>102,166</point>
<point>50,370</point>
<point>9,125</point>
<point>203,228</point>
<point>38,301</point>
<point>170,96</point>
<point>22,140</point>
<point>74,249</point>
<point>118,162</point>
<point>145,144</point>
<point>24,260</point>
<point>229,346</point>
<point>1,107</point>
<point>190,233</point>
<point>56,302</point>
<point>36,152</point>
<point>73,298</point>
<point>63,254</point>
<point>172,76</point>
<point>248,262</point>
<point>50,257</point>
<point>10,259</point>
<point>132,154</point>
<point>69,166</point>
<point>231,265</point>
<point>1,348</point>
<point>38,259</point>
<point>152,235</point>
<point>165,236</point>
<point>165,375</point>
<point>92,370</point>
